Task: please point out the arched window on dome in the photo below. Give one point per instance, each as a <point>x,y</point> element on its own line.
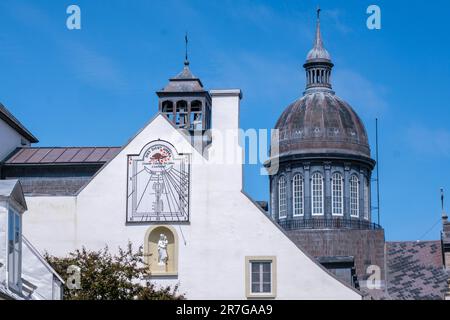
<point>282,202</point>
<point>298,195</point>
<point>366,200</point>
<point>317,194</point>
<point>354,196</point>
<point>337,195</point>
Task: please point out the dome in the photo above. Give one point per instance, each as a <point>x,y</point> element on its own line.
<point>322,123</point>
<point>318,53</point>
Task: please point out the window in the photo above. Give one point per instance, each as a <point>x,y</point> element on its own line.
<point>354,196</point>
<point>14,248</point>
<point>260,277</point>
<point>297,189</point>
<point>182,114</point>
<point>167,109</point>
<point>282,203</point>
<point>317,194</point>
<point>196,118</point>
<point>366,200</point>
<point>337,195</point>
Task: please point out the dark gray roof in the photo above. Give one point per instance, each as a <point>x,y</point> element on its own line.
<point>415,270</point>
<point>61,155</point>
<point>321,122</point>
<point>185,81</point>
<point>7,116</point>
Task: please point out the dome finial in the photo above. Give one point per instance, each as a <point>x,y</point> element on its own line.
<point>186,60</point>
<point>318,41</point>
<point>318,63</point>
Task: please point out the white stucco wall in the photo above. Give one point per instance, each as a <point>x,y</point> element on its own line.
<point>224,228</point>
<point>9,139</point>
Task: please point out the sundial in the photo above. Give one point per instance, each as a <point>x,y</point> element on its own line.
<point>158,184</point>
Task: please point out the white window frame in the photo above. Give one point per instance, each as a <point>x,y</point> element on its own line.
<point>298,196</point>
<point>354,196</point>
<point>313,181</point>
<point>14,276</point>
<point>282,198</point>
<point>337,195</point>
<point>273,276</point>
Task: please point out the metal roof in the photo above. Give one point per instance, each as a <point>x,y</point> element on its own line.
<point>7,116</point>
<point>62,155</point>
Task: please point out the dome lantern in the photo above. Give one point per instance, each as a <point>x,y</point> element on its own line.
<point>318,64</point>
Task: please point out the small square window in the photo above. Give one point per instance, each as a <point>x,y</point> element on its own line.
<point>261,277</point>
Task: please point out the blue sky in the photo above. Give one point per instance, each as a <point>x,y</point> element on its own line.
<point>95,86</point>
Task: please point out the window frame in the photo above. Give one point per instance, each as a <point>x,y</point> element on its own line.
<point>248,276</point>
<point>284,203</point>
<point>333,196</point>
<point>301,197</point>
<point>322,204</point>
<point>14,276</point>
<point>354,195</point>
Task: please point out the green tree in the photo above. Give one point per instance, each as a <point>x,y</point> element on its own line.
<point>105,276</point>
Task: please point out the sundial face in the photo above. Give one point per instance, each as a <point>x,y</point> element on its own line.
<point>158,184</point>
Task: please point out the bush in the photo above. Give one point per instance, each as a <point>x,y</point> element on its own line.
<point>110,277</point>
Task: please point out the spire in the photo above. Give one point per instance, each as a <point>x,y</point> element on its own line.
<point>318,51</point>
<point>186,60</point>
<point>318,41</point>
<point>318,64</point>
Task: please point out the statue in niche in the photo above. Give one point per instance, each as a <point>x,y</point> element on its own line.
<point>162,250</point>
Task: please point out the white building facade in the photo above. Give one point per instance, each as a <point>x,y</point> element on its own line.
<point>189,211</point>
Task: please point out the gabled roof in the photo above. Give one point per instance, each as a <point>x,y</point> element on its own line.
<point>61,155</point>
<point>7,116</point>
<point>11,189</point>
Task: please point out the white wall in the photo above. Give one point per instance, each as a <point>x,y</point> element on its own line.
<point>9,139</point>
<point>225,226</point>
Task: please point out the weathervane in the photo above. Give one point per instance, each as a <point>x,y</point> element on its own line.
<point>318,12</point>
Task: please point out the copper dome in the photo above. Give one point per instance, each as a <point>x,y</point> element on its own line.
<point>320,122</point>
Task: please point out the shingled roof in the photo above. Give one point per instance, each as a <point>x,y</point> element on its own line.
<point>415,270</point>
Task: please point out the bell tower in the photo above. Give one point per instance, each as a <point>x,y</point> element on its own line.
<point>185,102</point>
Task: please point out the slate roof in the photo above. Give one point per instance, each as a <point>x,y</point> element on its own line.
<point>185,81</point>
<point>7,116</point>
<point>415,270</point>
<point>61,155</point>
